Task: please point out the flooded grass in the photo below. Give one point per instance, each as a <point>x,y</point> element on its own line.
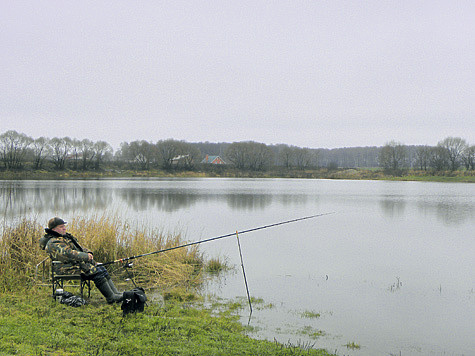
<point>311,332</point>
<point>217,265</point>
<point>308,314</point>
<point>352,346</point>
<point>180,295</point>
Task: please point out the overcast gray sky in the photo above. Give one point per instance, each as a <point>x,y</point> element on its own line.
<point>305,73</point>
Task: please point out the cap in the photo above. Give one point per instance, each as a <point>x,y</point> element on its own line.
<point>52,223</point>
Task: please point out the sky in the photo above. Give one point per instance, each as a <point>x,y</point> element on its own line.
<point>317,74</point>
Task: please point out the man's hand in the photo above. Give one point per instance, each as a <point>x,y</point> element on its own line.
<point>91,258</point>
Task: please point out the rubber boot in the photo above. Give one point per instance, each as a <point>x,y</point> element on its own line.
<point>113,288</point>
<point>105,289</point>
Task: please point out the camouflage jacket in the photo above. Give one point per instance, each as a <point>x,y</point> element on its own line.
<point>65,249</point>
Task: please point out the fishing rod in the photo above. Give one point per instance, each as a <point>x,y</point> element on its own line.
<point>245,279</point>
<point>213,239</point>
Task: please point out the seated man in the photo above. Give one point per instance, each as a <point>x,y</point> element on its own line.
<point>62,246</point>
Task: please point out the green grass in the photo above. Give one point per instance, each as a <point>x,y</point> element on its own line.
<point>34,324</point>
<point>435,178</point>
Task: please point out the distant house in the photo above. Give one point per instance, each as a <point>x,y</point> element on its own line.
<point>180,158</point>
<point>213,160</point>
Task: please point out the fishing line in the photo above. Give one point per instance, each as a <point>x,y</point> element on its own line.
<point>214,238</point>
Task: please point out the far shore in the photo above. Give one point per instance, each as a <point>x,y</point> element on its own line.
<point>323,173</point>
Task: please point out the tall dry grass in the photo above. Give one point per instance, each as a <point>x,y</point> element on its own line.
<point>110,238</point>
<point>19,254</point>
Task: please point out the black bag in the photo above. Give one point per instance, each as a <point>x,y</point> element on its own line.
<point>133,301</point>
<point>73,301</point>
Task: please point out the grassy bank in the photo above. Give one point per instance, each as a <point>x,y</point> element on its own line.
<point>175,322</point>
<point>323,173</point>
<point>32,323</point>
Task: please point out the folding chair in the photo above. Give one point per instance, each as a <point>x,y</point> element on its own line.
<point>57,280</point>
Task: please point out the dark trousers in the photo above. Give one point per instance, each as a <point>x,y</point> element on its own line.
<point>100,274</point>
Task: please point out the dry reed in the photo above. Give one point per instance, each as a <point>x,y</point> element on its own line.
<point>109,238</point>
<point>19,254</point>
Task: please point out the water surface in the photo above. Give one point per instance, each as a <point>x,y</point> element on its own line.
<point>391,269</point>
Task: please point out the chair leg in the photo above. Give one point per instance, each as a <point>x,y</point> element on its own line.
<point>57,284</point>
<point>53,281</point>
<point>85,283</point>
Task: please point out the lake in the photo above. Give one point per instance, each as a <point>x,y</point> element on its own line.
<point>391,269</point>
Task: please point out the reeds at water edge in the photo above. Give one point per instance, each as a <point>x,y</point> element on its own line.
<point>110,238</point>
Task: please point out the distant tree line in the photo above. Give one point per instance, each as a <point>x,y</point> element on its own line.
<point>452,153</point>
<point>19,152</point>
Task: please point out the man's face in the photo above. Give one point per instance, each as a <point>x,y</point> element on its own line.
<point>60,229</point>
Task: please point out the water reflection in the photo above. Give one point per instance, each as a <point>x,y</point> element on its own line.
<point>261,201</point>
<point>141,199</point>
<point>248,201</point>
<point>19,200</point>
<point>393,206</point>
<point>449,212</point>
<point>12,196</point>
<point>172,200</point>
<point>23,197</point>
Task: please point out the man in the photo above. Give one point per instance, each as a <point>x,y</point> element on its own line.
<point>62,246</point>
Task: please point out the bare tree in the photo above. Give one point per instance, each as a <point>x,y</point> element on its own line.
<point>123,156</point>
<point>87,153</point>
<point>13,148</point>
<point>260,156</point>
<point>468,158</point>
<point>75,150</point>
<point>250,155</point>
<point>100,151</point>
<point>303,157</point>
<point>139,153</point>
<point>187,156</point>
<point>286,156</point>
<point>61,148</point>
<point>439,158</point>
<point>423,154</point>
<point>41,150</point>
<point>167,150</point>
<point>455,147</point>
<point>393,157</point>
<point>237,154</point>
